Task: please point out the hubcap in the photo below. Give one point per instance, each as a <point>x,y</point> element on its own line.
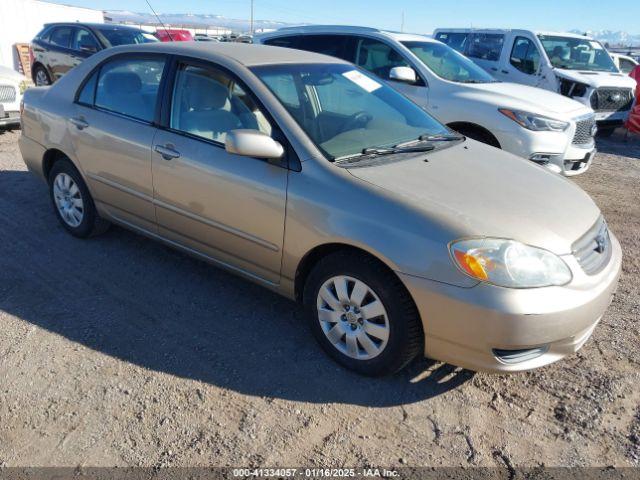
<point>352,317</point>
<point>68,199</point>
<point>41,78</point>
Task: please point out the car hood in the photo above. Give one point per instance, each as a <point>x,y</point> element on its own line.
<point>476,190</point>
<point>530,99</point>
<point>597,79</point>
<point>10,75</point>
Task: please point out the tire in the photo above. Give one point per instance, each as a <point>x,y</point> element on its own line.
<point>41,76</point>
<point>72,202</point>
<point>404,336</point>
<point>478,135</point>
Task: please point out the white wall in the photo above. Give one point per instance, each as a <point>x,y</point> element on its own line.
<point>20,20</point>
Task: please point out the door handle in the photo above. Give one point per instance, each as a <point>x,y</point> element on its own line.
<point>505,71</point>
<point>80,123</point>
<point>494,69</point>
<point>167,152</point>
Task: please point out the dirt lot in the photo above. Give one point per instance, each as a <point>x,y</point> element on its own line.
<point>119,351</point>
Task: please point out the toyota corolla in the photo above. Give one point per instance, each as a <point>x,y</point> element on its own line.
<point>311,177</point>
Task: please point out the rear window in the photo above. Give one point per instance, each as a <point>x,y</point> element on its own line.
<point>485,46</point>
<point>457,41</point>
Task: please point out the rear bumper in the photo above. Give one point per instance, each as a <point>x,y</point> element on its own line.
<point>32,155</point>
<point>466,326</point>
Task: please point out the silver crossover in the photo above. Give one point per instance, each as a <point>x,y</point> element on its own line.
<point>313,178</point>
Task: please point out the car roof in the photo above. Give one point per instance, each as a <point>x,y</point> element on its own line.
<point>515,30</point>
<point>97,26</point>
<point>343,29</point>
<point>244,53</point>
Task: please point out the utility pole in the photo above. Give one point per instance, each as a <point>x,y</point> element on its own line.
<point>251,21</point>
<point>402,22</point>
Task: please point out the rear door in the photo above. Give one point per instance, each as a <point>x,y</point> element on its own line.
<point>485,49</point>
<point>60,57</point>
<point>112,132</point>
<point>228,207</point>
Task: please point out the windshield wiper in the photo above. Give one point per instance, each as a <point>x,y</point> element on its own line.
<point>396,149</point>
<point>440,138</point>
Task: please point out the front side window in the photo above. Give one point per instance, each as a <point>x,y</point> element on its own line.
<point>378,57</point>
<point>485,46</point>
<point>208,103</point>
<point>525,56</point>
<point>84,40</point>
<point>447,63</point>
<point>129,86</point>
<point>61,37</point>
<point>575,53</point>
<point>344,111</point>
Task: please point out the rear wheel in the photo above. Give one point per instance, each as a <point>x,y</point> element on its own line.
<point>72,201</point>
<point>41,76</point>
<point>361,314</point>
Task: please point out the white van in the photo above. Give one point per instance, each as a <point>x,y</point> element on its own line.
<point>541,126</point>
<point>574,65</point>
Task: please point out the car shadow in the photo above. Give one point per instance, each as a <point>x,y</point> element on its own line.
<point>134,299</point>
<point>620,143</point>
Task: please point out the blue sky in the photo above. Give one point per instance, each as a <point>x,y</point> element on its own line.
<point>420,15</point>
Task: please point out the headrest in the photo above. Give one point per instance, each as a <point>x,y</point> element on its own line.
<point>122,83</point>
<point>205,93</point>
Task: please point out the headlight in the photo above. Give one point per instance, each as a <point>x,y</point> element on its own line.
<point>532,121</point>
<point>508,263</point>
<point>23,86</point>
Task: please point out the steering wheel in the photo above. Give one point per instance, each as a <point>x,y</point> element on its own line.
<point>357,120</point>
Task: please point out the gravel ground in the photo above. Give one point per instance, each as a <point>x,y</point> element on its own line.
<point>120,351</point>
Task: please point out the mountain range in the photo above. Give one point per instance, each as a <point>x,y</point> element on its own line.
<point>613,38</point>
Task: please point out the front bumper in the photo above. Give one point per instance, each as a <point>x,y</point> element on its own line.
<point>9,118</point>
<point>554,150</point>
<point>466,326</point>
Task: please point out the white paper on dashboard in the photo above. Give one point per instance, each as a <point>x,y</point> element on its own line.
<point>362,81</point>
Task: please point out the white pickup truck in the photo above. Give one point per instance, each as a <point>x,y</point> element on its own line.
<point>576,66</point>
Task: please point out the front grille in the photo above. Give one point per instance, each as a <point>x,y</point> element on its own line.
<point>612,99</point>
<point>7,93</point>
<point>584,131</point>
<point>593,250</point>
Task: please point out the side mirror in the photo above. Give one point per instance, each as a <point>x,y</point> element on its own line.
<point>403,74</point>
<point>89,48</point>
<point>252,143</point>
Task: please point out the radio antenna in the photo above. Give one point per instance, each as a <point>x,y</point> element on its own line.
<point>159,21</point>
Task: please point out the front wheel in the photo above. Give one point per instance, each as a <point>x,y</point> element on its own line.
<point>362,315</point>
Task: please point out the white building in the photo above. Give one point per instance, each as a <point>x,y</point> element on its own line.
<point>20,20</point>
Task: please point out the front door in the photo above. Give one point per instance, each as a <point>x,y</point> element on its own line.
<point>524,62</point>
<point>112,131</point>
<point>380,58</point>
<point>228,207</point>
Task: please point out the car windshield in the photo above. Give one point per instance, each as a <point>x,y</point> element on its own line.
<point>573,53</point>
<point>116,36</point>
<point>345,111</point>
<point>446,63</point>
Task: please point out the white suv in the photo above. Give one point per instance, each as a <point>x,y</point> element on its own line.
<point>574,65</point>
<point>12,86</point>
<point>545,127</point>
